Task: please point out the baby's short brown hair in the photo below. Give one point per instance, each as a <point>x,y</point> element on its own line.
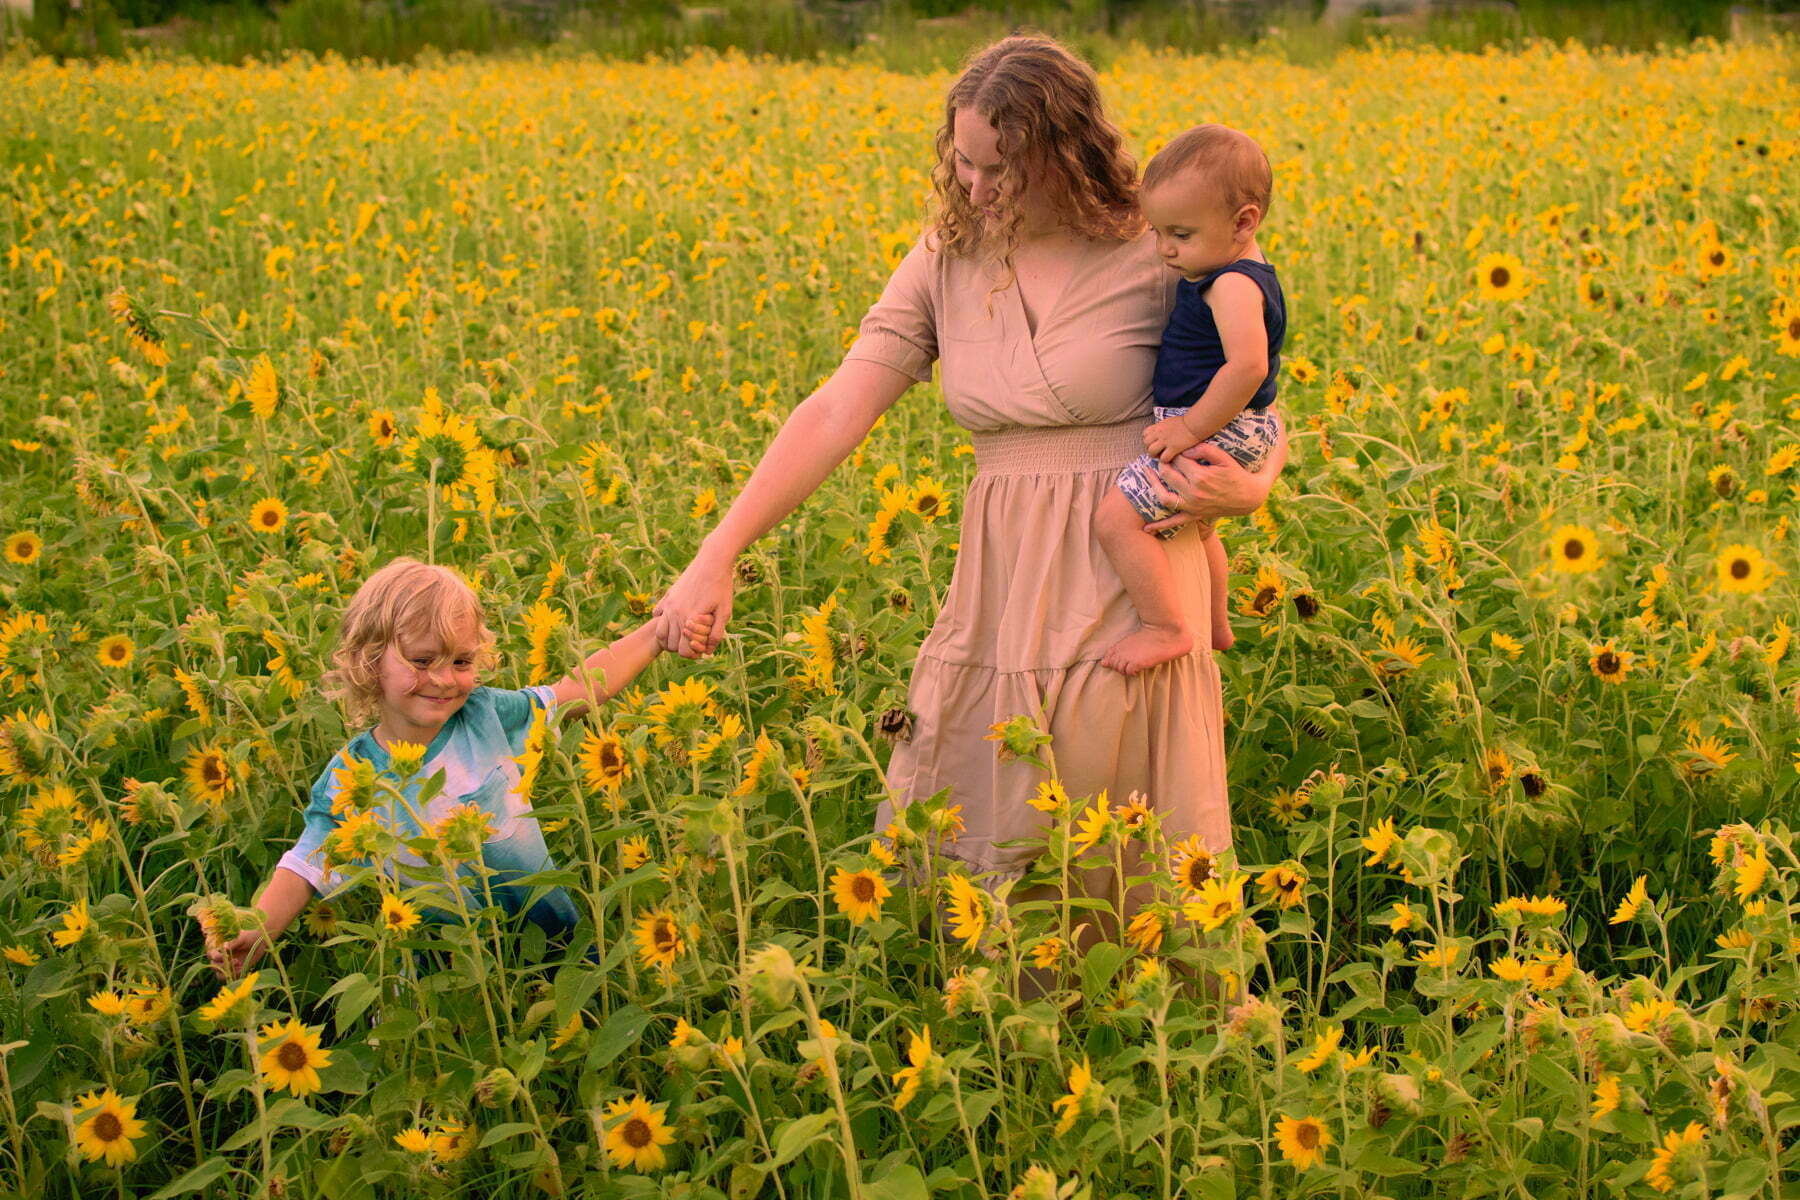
<point>405,596</point>
<point>1232,160</point>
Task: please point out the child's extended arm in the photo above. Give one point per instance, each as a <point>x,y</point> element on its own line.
<point>1237,308</point>
<point>280,902</point>
<point>607,671</point>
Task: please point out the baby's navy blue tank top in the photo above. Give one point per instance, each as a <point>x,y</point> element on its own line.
<point>1191,351</point>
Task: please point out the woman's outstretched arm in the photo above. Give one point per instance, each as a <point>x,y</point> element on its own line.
<point>818,435</point>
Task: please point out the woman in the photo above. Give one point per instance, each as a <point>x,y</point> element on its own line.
<point>1041,294</point>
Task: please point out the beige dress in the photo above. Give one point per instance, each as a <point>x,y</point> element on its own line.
<point>1033,601</point>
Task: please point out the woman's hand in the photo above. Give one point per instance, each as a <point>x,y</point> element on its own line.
<point>1213,485</point>
<point>232,959</point>
<point>692,614</point>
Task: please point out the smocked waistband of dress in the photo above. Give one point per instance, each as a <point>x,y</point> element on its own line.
<point>1057,449</point>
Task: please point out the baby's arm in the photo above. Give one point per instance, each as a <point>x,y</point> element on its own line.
<point>280,902</point>
<point>607,671</point>
<point>1237,308</point>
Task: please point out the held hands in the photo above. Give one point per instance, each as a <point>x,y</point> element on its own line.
<point>691,617</point>
<point>1210,485</point>
<point>1168,437</point>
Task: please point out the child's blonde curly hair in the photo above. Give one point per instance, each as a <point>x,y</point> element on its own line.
<point>405,596</point>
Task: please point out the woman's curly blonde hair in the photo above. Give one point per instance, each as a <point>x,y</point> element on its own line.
<point>404,597</point>
<point>1045,104</point>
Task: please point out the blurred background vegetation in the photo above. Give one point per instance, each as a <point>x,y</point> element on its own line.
<point>909,35</point>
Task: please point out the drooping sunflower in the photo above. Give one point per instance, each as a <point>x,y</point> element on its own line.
<point>1634,900</point>
<point>263,388</point>
<point>448,451</point>
<point>1092,826</point>
<point>859,894</point>
<point>292,1057</point>
<point>75,926</point>
<point>1744,570</point>
<point>909,1078</point>
<point>24,547</point>
<point>636,1134</point>
<point>107,1127</point>
<point>1574,550</point>
<point>1610,663</point>
<point>1303,1140</point>
<point>1324,1046</point>
<point>1674,1145</point>
<point>1068,1107</point>
<point>1500,277</point>
<point>1380,841</point>
<point>115,651</point>
<point>968,910</point>
<point>51,821</point>
<point>268,515</point>
<point>229,997</point>
<point>1400,655</point>
<point>659,939</point>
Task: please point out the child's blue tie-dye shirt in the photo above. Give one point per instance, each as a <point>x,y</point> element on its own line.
<point>477,750</point>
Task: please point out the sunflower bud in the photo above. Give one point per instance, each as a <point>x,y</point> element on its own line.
<point>499,1086</point>
<point>774,975</point>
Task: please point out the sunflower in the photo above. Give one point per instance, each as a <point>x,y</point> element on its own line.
<point>928,500</point>
<point>229,997</point>
<point>968,910</point>
<point>1400,655</point>
<point>1219,899</point>
<point>1609,662</point>
<point>106,1126</point>
<point>659,939</point>
<point>75,925</point>
<point>24,547</point>
<point>1574,550</point>
<point>54,817</point>
<point>268,515</point>
<point>1263,593</point>
<point>1380,841</point>
<point>415,1140</point>
<point>209,775</point>
<point>1324,1047</point>
<point>604,762</point>
<point>1047,953</point>
<point>263,389</point>
<point>1092,826</point>
<point>1303,1140</point>
<point>1704,756</point>
<point>1787,340</point>
<point>1284,883</point>
<point>634,852</point>
<point>1302,370</point>
<point>292,1063</point>
<point>859,894</point>
<point>1635,899</point>
<point>1662,1161</point>
<point>1500,277</point>
<point>1743,569</point>
<point>1606,1094</point>
<point>1496,767</point>
<point>1081,1087</point>
<point>397,915</point>
<point>1146,930</point>
<point>1288,805</point>
<point>115,651</point>
<point>382,430</point>
<point>918,1053</point>
<point>448,451</point>
<point>454,1141</point>
<point>1193,864</point>
<point>636,1134</point>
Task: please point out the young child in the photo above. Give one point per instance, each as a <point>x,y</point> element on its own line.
<point>1205,194</point>
<point>413,642</point>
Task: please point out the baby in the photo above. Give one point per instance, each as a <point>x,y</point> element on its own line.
<point>1205,195</point>
<point>413,641</point>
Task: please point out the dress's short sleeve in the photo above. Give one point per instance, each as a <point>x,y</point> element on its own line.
<point>515,709</point>
<point>900,329</point>
<point>307,858</point>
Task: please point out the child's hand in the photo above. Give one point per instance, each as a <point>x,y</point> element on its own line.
<point>696,632</point>
<point>235,957</point>
<point>1168,437</point>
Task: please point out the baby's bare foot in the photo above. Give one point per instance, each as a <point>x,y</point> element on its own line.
<point>1149,647</point>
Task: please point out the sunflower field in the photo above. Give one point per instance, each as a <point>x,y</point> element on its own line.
<point>1513,716</point>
